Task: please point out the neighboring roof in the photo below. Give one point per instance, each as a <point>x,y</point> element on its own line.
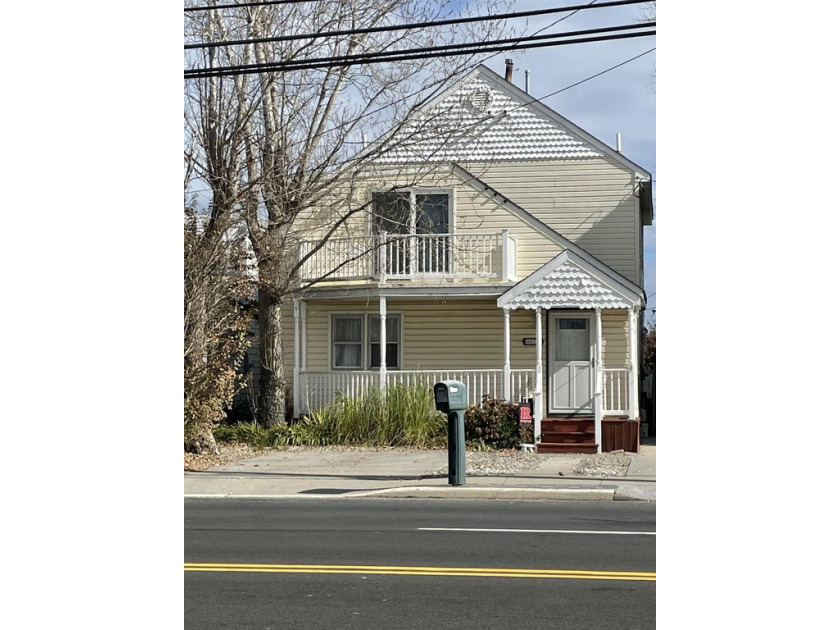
<point>484,117</point>
<point>568,281</point>
<point>602,269</point>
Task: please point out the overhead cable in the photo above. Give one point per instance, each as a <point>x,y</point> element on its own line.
<point>416,25</point>
<point>431,52</point>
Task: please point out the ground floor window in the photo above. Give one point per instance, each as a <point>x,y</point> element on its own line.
<point>355,341</point>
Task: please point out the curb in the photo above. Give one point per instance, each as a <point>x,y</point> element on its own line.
<point>454,492</point>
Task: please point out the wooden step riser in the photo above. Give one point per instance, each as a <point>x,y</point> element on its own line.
<point>567,448</point>
<point>568,427</point>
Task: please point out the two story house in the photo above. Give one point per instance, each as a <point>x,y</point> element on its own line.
<point>514,264</point>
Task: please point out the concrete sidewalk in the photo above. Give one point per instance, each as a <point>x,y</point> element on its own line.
<point>409,473</point>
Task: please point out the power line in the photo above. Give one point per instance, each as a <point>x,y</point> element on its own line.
<point>431,52</point>
<point>525,104</point>
<point>242,5</point>
<point>400,27</point>
<point>422,89</point>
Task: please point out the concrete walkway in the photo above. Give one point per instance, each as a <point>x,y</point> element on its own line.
<point>406,473</point>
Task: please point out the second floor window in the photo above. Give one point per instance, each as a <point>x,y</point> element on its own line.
<point>415,222</point>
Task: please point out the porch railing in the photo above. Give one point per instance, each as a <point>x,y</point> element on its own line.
<point>616,390</point>
<point>406,256</point>
<point>322,388</point>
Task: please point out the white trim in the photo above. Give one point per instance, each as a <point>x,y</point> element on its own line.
<point>539,373</point>
<point>506,368</point>
<point>296,396</point>
<point>633,384</point>
<point>383,342</point>
<point>599,410</point>
<point>303,355</point>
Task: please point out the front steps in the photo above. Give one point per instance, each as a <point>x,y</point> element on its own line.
<point>576,434</point>
<point>568,435</point>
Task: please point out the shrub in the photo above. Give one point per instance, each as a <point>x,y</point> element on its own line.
<point>401,416</point>
<point>494,423</point>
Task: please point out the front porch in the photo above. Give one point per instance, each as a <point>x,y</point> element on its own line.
<point>320,388</point>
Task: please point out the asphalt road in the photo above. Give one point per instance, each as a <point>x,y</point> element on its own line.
<point>404,563</point>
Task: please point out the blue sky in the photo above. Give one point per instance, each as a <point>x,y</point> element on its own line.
<point>620,101</point>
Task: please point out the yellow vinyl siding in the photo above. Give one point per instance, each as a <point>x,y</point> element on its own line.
<point>614,327</point>
<point>590,202</point>
<point>454,334</point>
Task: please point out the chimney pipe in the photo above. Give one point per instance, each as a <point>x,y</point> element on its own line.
<point>527,82</point>
<point>618,142</point>
<point>509,70</point>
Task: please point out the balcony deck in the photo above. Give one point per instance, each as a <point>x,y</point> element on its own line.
<point>406,257</point>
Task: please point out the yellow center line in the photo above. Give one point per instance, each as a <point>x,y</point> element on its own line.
<point>434,571</point>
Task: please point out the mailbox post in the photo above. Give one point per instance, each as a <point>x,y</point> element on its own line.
<point>451,399</point>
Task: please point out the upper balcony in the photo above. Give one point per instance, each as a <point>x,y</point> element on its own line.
<point>407,257</point>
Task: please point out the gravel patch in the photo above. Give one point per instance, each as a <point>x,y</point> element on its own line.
<point>492,463</point>
<point>613,464</point>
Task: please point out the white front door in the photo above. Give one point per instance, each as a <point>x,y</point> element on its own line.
<point>570,362</point>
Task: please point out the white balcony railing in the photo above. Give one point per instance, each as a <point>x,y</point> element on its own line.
<point>407,256</point>
<point>322,388</point>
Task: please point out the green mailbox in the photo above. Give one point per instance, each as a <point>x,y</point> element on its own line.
<point>450,396</point>
<point>451,399</point>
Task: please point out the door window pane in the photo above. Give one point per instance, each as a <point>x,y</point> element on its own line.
<point>572,340</point>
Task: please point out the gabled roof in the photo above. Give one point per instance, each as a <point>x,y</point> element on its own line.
<point>484,117</point>
<point>569,281</point>
<point>599,268</point>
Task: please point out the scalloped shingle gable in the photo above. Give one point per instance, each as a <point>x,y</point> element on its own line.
<point>477,120</point>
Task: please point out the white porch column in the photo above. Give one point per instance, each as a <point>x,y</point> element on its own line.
<point>633,384</point>
<point>599,378</point>
<point>506,370</point>
<point>383,364</point>
<point>538,378</point>
<point>296,391</point>
<point>304,405</point>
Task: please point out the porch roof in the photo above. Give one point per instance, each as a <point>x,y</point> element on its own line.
<point>570,281</point>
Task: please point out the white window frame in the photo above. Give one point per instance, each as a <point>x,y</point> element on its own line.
<point>366,342</point>
<point>412,203</point>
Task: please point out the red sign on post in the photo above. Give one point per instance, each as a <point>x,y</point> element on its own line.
<point>525,413</point>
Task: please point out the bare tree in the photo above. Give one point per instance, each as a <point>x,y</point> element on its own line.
<point>295,153</point>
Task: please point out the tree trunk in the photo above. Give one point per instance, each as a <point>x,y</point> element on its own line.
<point>201,441</point>
<point>272,399</point>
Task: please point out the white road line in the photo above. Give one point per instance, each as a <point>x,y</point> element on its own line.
<point>532,531</point>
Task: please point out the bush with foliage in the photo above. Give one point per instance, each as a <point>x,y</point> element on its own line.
<point>649,350</point>
<point>400,416</point>
<point>216,320</point>
<point>495,424</point>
